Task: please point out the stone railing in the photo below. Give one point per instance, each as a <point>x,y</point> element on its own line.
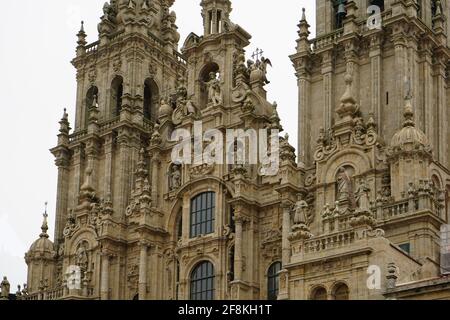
<point>108,124</point>
<point>47,294</point>
<point>93,47</point>
<point>77,136</point>
<point>394,210</point>
<point>147,125</point>
<point>332,38</point>
<point>326,40</point>
<point>332,241</point>
<point>418,203</point>
<point>180,58</point>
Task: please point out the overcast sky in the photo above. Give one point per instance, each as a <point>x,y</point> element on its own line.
<point>37,44</point>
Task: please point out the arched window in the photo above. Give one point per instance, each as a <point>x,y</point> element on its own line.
<point>341,292</point>
<point>230,273</point>
<point>91,94</point>
<point>273,281</point>
<point>379,3</point>
<point>202,282</point>
<point>180,225</point>
<point>319,293</point>
<point>151,97</point>
<point>203,214</point>
<point>339,13</point>
<point>116,95</point>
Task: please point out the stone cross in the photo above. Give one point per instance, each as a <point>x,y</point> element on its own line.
<point>257,54</point>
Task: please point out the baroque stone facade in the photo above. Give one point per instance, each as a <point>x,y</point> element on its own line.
<point>358,216</point>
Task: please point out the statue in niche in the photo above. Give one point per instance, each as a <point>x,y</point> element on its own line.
<point>183,105</point>
<point>215,95</point>
<point>301,213</point>
<point>362,196</point>
<point>82,256</point>
<point>175,177</point>
<point>344,185</point>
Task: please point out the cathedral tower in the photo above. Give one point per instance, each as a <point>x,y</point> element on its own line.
<point>373,116</point>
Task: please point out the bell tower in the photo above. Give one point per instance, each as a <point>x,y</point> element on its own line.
<point>216,16</point>
<point>369,59</point>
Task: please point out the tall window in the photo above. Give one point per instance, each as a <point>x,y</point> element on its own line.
<point>203,214</point>
<point>273,281</point>
<point>179,225</point>
<point>151,97</point>
<point>90,96</point>
<point>339,13</point>
<point>202,282</point>
<point>341,292</point>
<point>116,95</point>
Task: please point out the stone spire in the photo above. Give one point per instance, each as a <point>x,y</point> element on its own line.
<point>44,226</point>
<point>303,33</point>
<point>81,40</point>
<point>64,129</point>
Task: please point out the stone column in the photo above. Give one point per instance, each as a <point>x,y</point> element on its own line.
<point>155,180</point>
<point>376,74</point>
<point>304,140</point>
<point>441,112</point>
<point>77,157</point>
<point>143,270</point>
<point>238,259</point>
<point>108,166</point>
<point>400,71</point>
<point>327,89</point>
<point>104,284</point>
<point>286,228</point>
<point>62,197</point>
<point>123,177</point>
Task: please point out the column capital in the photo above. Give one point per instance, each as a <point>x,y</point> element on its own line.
<point>145,244</point>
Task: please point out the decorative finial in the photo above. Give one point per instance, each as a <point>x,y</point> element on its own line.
<point>82,26</point>
<point>408,114</point>
<point>44,226</point>
<point>65,116</point>
<point>303,14</point>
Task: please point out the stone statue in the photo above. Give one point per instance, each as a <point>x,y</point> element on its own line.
<point>362,196</point>
<point>109,11</point>
<point>344,185</point>
<point>301,213</point>
<point>175,177</point>
<point>262,65</point>
<point>82,257</point>
<point>215,96</point>
<point>5,287</point>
